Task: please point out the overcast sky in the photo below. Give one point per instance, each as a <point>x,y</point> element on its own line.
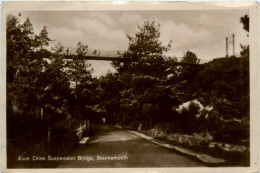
<point>106,30</point>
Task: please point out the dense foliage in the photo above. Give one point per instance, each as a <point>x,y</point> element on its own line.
<point>146,90</point>
<point>149,89</point>
<point>40,82</point>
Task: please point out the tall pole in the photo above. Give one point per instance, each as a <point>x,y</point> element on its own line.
<point>233,44</point>
<point>226,47</point>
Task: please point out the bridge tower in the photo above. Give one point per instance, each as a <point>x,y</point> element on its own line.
<point>230,42</point>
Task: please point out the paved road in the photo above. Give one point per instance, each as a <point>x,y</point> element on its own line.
<point>114,148</point>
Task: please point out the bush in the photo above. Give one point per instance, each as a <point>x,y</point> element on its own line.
<point>162,130</point>
<point>188,118</point>
<point>196,139</point>
<point>134,125</point>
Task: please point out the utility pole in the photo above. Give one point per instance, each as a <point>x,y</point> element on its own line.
<point>233,44</point>
<point>226,47</point>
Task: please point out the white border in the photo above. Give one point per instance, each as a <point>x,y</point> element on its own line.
<point>253,8</point>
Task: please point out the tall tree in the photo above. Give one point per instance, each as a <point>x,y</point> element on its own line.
<point>145,51</point>
<point>43,38</point>
<point>144,75</point>
<point>80,74</point>
<point>29,76</point>
<point>245,48</point>
<point>187,75</point>
<point>80,70</point>
<point>22,66</point>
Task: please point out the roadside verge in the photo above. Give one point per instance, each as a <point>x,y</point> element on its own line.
<point>206,159</point>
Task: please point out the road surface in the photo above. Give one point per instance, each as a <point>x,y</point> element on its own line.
<point>115,148</point>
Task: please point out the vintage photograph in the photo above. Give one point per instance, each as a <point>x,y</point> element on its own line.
<point>128,88</point>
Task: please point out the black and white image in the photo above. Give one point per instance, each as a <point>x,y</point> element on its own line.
<point>128,88</point>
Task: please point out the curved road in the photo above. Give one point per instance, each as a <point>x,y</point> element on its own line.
<point>113,148</point>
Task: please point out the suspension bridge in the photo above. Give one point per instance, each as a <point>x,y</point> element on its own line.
<point>113,55</point>
<point>116,55</point>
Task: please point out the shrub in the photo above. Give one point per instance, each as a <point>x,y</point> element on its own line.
<point>134,125</point>
<point>188,118</point>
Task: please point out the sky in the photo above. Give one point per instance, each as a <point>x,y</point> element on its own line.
<point>203,32</point>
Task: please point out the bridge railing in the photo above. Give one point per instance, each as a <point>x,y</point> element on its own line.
<point>109,54</point>
<point>94,52</point>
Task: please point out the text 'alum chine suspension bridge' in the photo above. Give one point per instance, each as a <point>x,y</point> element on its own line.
<point>115,55</point>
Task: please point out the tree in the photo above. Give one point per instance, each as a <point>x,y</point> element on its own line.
<point>81,49</point>
<point>245,48</point>
<point>187,75</point>
<point>145,51</point>
<point>80,70</point>
<point>27,28</point>
<point>111,87</point>
<point>54,88</point>
<point>43,38</point>
<point>22,66</point>
<point>190,57</point>
<point>14,62</point>
<point>82,83</point>
<point>245,51</point>
<point>245,21</point>
<point>145,95</point>
<point>30,78</point>
<point>224,83</point>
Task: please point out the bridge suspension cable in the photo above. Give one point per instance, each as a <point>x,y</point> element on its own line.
<point>192,46</point>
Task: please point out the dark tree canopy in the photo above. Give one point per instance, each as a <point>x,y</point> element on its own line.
<point>43,37</point>
<point>145,51</point>
<point>245,48</point>
<point>190,57</point>
<point>245,21</point>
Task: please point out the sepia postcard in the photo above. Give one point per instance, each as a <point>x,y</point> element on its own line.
<point>130,87</point>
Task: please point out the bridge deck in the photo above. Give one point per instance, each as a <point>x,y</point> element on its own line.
<point>104,58</point>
